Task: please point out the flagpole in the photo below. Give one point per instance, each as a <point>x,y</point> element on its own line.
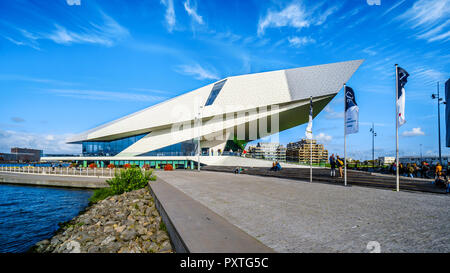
<point>345,143</point>
<point>310,148</point>
<point>396,129</point>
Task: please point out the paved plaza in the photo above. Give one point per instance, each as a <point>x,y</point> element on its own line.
<point>296,216</point>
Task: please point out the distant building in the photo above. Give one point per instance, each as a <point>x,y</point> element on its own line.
<point>21,155</point>
<point>386,160</point>
<point>269,151</point>
<point>301,151</point>
<point>5,157</point>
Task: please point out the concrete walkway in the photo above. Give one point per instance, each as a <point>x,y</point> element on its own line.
<point>52,180</point>
<point>196,229</point>
<point>296,216</point>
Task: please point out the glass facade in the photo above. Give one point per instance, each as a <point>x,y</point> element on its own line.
<point>214,92</point>
<point>186,148</point>
<point>112,148</point>
<point>155,164</point>
<point>108,148</point>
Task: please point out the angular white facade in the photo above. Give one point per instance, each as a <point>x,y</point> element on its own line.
<point>239,107</point>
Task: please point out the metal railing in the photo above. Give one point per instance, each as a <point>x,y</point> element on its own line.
<point>61,171</point>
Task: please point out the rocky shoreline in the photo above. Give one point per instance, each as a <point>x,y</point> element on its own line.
<point>126,223</point>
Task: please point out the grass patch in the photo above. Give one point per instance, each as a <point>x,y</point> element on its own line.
<point>100,194</point>
<point>123,181</point>
<point>162,226</point>
<point>130,180</point>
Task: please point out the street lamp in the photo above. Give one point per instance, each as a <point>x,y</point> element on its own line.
<point>439,101</point>
<point>421,153</point>
<point>374,134</point>
<point>199,121</point>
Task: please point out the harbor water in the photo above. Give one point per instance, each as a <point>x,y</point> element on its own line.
<point>30,214</point>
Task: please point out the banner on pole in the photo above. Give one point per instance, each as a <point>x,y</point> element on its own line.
<point>402,79</point>
<point>308,131</point>
<point>351,112</point>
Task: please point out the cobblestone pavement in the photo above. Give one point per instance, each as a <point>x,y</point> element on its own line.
<point>296,216</point>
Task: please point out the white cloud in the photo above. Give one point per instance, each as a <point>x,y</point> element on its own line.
<point>48,143</point>
<point>393,7</point>
<point>29,41</point>
<point>323,138</point>
<point>369,51</point>
<point>414,132</point>
<point>296,16</point>
<point>427,12</point>
<point>331,114</point>
<point>104,95</point>
<point>197,71</point>
<point>293,15</point>
<point>192,11</point>
<point>435,34</point>
<point>73,2</point>
<point>170,14</point>
<point>429,74</point>
<point>12,77</point>
<point>296,41</point>
<point>430,17</point>
<point>106,34</point>
<point>324,15</point>
<point>14,41</point>
<point>28,35</point>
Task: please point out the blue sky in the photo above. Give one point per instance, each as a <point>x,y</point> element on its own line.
<point>68,66</point>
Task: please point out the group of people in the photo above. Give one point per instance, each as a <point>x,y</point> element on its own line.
<point>336,162</point>
<point>424,170</point>
<point>442,180</point>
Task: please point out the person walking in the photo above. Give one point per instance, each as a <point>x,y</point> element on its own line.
<point>333,165</point>
<point>340,164</point>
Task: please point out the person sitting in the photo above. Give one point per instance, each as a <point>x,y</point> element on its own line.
<point>278,167</point>
<point>237,170</point>
<point>441,181</point>
<point>273,166</point>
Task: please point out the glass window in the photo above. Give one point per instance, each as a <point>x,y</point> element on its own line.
<point>214,92</point>
<point>111,148</point>
<point>186,148</point>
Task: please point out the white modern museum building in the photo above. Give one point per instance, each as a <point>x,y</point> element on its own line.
<point>214,120</point>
